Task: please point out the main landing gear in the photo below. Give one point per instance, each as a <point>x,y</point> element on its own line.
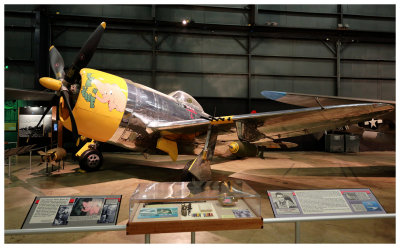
<point>186,176</point>
<point>90,158</point>
<point>199,168</point>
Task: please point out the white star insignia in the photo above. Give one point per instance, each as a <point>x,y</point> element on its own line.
<point>373,122</point>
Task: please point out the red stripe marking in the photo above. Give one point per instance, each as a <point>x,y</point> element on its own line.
<point>37,202</point>
<point>71,200</point>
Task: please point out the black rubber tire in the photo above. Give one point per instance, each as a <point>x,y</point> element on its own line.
<point>91,160</point>
<point>186,176</point>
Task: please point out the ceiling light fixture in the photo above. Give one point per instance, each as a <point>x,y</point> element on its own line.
<point>185,21</point>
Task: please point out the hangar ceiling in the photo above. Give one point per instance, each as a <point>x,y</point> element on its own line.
<point>225,55</point>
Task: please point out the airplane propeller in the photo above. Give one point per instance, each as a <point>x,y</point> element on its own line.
<point>56,63</point>
<point>63,82</point>
<point>84,55</point>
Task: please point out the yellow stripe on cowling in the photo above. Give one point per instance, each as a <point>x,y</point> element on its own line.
<point>222,120</point>
<point>51,48</point>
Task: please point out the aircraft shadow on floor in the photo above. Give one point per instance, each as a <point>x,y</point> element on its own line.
<point>119,168</point>
<point>364,171</point>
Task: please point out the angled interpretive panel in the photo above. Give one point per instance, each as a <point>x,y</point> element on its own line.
<point>72,211</point>
<point>326,202</point>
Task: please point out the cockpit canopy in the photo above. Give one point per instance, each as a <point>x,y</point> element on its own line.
<point>186,99</point>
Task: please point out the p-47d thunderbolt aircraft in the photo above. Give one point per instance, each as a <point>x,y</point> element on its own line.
<point>107,108</point>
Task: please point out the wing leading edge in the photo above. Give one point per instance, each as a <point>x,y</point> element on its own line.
<point>307,100</point>
<point>286,123</point>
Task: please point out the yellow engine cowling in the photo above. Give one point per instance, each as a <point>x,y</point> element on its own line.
<point>100,106</point>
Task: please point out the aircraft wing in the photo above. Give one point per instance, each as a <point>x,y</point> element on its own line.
<point>29,95</point>
<point>388,120</point>
<point>307,100</point>
<point>282,124</point>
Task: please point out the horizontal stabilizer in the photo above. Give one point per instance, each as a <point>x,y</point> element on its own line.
<point>273,95</point>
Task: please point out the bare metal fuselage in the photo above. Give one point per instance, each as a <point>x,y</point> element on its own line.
<point>119,111</point>
<point>147,107</point>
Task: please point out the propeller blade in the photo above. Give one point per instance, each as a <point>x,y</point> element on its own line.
<point>50,83</point>
<point>57,63</point>
<point>85,54</point>
<point>65,95</point>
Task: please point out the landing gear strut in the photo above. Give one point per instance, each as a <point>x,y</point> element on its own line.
<point>90,158</point>
<point>186,176</point>
<point>200,168</point>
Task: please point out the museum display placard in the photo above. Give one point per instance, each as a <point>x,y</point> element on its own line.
<point>28,119</point>
<point>193,206</point>
<point>72,211</point>
<point>297,203</point>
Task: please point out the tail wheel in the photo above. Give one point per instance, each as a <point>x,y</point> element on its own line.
<point>91,160</point>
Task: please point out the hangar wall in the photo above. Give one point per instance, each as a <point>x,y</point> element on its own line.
<point>224,57</point>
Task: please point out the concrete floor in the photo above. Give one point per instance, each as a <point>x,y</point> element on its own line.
<point>121,173</point>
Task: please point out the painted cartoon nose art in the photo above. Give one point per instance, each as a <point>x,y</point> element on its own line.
<point>110,94</point>
<point>101,104</point>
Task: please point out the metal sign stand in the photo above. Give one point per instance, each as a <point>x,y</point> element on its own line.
<point>30,156</point>
<point>297,232</point>
<point>296,220</point>
<point>147,238</point>
<point>193,238</point>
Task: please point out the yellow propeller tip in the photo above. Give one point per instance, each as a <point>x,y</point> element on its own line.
<point>51,48</point>
<point>50,83</point>
<point>103,24</point>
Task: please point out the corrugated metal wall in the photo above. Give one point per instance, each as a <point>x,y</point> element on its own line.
<point>216,65</point>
